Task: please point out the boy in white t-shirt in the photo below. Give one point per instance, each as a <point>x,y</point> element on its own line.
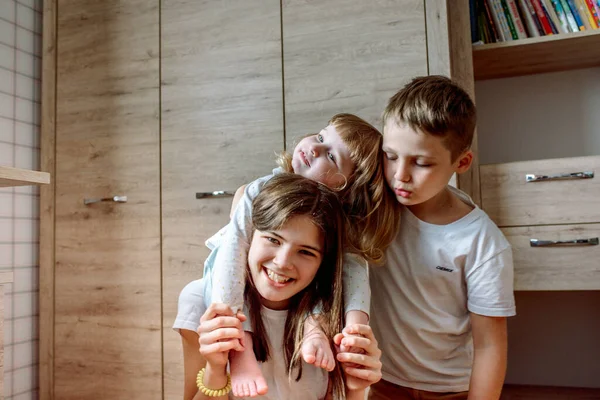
<point>439,304</point>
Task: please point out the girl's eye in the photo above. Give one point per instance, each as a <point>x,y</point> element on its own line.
<point>331,157</point>
<point>272,240</point>
<point>390,157</point>
<point>320,138</point>
<point>307,253</point>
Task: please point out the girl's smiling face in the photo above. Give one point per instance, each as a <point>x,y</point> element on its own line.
<point>323,157</point>
<point>284,262</point>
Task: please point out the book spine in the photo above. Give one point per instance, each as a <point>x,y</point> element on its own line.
<point>514,14</point>
<point>569,14</point>
<point>488,16</point>
<point>534,17</point>
<point>497,9</point>
<point>593,13</point>
<point>490,7</point>
<point>560,13</point>
<point>511,25</point>
<point>576,16</point>
<point>539,11</point>
<point>532,29</point>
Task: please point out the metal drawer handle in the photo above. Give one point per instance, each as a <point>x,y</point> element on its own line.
<point>217,193</point>
<point>114,199</point>
<point>558,177</point>
<point>574,242</point>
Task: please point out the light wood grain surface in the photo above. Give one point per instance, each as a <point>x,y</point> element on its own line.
<point>10,176</point>
<point>537,55</point>
<point>47,205</point>
<point>348,56</point>
<point>555,268</point>
<point>511,201</point>
<point>108,273</point>
<point>222,123</point>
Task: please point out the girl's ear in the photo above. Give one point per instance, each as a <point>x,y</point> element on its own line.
<point>463,163</point>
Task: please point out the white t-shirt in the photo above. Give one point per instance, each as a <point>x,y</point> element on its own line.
<point>312,386</point>
<point>434,276</point>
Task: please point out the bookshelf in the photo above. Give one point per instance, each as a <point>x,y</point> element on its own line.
<point>537,55</point>
<point>22,177</point>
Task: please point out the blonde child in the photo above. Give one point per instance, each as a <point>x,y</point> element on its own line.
<point>346,156</point>
<point>447,287</point>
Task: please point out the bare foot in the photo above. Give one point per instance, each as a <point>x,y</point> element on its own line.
<point>316,350</point>
<point>246,378</point>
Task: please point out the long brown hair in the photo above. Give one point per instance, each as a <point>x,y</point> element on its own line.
<point>283,197</point>
<point>371,208</point>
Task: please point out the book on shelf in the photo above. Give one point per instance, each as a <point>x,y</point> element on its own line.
<point>495,21</point>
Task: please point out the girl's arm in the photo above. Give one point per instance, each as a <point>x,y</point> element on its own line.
<point>219,332</point>
<point>489,361</point>
<point>230,263</point>
<point>236,199</point>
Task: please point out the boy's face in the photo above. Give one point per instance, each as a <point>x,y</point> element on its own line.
<point>417,165</point>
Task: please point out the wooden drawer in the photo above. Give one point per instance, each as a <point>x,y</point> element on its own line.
<point>555,268</point>
<point>511,201</point>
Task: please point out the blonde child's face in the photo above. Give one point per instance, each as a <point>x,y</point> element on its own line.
<point>285,261</point>
<point>417,165</point>
<point>323,157</point>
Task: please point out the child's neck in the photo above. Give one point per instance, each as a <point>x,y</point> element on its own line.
<point>442,209</point>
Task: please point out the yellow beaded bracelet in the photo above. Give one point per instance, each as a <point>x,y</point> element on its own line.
<point>212,392</point>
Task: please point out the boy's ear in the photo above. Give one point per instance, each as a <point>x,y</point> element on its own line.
<point>463,163</point>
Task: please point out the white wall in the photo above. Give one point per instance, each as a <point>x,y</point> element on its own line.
<point>20,51</point>
<point>555,337</point>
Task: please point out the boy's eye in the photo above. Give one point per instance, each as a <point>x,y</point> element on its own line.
<point>320,137</point>
<point>331,157</point>
<point>422,164</point>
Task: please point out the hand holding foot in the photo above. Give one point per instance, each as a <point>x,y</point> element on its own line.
<point>246,377</point>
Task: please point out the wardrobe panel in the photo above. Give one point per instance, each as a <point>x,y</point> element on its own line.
<point>222,123</point>
<point>107,273</point>
<point>348,56</point>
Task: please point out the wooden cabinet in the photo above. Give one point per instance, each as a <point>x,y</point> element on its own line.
<point>222,123</point>
<point>107,269</point>
<point>159,101</point>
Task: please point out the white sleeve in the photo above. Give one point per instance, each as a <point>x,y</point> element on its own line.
<point>357,292</point>
<point>190,307</point>
<point>229,268</point>
<point>490,286</point>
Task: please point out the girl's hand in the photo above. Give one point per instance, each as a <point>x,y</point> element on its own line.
<point>363,365</point>
<point>220,331</point>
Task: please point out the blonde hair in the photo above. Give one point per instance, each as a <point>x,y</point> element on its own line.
<point>371,209</point>
<point>283,197</point>
<point>439,107</point>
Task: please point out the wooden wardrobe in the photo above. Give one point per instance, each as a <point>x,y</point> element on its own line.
<point>155,101</point>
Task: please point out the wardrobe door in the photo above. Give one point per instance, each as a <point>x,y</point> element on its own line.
<point>222,123</point>
<point>348,56</point>
<point>107,274</point>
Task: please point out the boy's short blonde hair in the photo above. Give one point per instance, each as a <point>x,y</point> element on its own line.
<point>437,106</point>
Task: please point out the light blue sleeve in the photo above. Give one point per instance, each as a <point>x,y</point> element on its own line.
<point>357,291</point>
<point>229,269</point>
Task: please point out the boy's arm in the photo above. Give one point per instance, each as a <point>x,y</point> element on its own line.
<point>490,353</point>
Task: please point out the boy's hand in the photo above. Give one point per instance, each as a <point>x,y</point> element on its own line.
<point>362,366</point>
